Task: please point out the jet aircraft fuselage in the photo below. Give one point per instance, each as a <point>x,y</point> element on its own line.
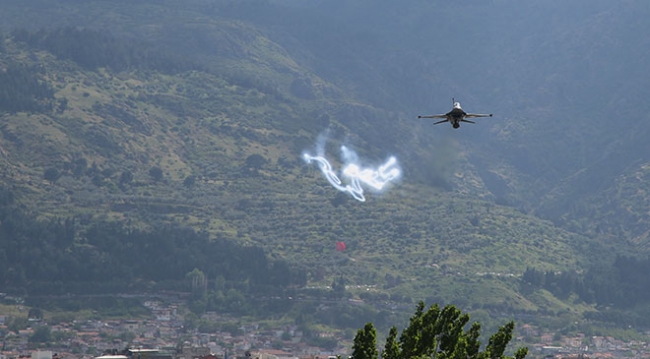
<point>456,116</point>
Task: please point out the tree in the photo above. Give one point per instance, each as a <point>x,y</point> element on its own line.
<point>79,167</point>
<point>35,313</point>
<point>365,343</point>
<point>255,162</point>
<point>189,181</point>
<point>16,324</point>
<point>498,342</point>
<point>51,175</point>
<point>338,286</point>
<point>437,333</point>
<point>156,173</point>
<point>391,349</point>
<point>199,281</point>
<point>42,334</point>
<point>126,178</point>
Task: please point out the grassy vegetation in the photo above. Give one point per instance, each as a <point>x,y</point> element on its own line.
<point>437,236</point>
<point>421,242</point>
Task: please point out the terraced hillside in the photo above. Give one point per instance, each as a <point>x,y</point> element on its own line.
<point>157,113</point>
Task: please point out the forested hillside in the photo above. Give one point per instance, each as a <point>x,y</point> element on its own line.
<point>53,257</point>
<point>159,127</point>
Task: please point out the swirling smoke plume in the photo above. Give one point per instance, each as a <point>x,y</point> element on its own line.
<point>357,174</point>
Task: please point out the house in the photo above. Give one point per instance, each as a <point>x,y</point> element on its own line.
<point>190,352</point>
<point>273,354</point>
<point>130,325</point>
<point>112,357</point>
<point>42,354</point>
<point>134,353</point>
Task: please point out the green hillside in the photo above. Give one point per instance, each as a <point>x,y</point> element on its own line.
<point>154,113</point>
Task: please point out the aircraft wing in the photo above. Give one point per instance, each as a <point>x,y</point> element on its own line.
<point>474,115</point>
<point>433,116</point>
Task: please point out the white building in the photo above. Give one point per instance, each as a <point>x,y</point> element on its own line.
<point>42,354</point>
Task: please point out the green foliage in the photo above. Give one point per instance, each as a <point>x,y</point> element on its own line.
<point>42,334</point>
<point>55,263</point>
<point>255,161</point>
<point>35,313</point>
<point>52,175</point>
<point>23,89</point>
<point>93,49</point>
<point>156,173</point>
<point>238,91</point>
<point>391,348</point>
<point>338,286</point>
<point>432,331</point>
<point>15,324</point>
<point>620,284</point>
<point>126,178</point>
<point>440,333</point>
<point>365,343</point>
<point>60,336</point>
<point>189,181</point>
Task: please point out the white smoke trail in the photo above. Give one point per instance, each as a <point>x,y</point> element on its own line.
<point>376,178</point>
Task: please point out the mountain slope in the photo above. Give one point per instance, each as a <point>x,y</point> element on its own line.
<point>568,88</point>
<point>116,128</point>
<point>198,114</point>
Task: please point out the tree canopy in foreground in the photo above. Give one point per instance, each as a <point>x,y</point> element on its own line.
<point>435,333</point>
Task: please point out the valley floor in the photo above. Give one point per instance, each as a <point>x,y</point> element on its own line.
<point>167,330</point>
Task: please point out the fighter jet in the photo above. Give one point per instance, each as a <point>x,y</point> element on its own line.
<point>456,116</point>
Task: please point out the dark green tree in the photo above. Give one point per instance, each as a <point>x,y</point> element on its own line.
<point>255,161</point>
<point>497,345</point>
<point>411,335</point>
<point>156,173</point>
<point>253,164</point>
<point>338,285</point>
<point>365,343</point>
<point>439,333</point>
<point>35,313</point>
<point>15,324</point>
<point>391,349</point>
<point>51,175</point>
<point>189,181</point>
<point>126,178</point>
<point>42,334</point>
<point>23,89</point>
<point>79,167</point>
